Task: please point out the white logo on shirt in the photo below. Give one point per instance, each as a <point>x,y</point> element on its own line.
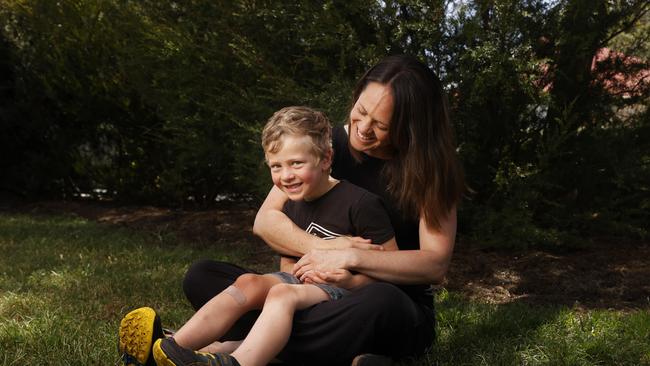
<point>321,232</point>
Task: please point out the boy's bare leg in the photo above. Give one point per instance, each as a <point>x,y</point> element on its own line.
<point>216,317</point>
<point>271,331</point>
<point>221,347</point>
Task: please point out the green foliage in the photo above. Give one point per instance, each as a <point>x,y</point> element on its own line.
<point>164,102</point>
<point>155,102</point>
<point>549,151</point>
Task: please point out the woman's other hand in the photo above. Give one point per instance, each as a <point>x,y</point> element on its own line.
<point>339,277</point>
<point>322,261</point>
<point>345,242</point>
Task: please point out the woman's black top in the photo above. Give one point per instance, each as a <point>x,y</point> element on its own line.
<point>368,174</point>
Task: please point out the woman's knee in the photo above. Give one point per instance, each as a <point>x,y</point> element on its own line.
<point>193,282</point>
<point>206,278</point>
<point>198,269</point>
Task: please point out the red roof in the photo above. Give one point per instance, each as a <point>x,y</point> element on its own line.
<point>620,74</point>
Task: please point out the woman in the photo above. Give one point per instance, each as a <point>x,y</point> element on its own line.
<point>398,144</point>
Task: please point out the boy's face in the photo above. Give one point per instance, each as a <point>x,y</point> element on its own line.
<point>297,171</point>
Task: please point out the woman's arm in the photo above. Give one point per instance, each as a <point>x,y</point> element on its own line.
<point>285,237</point>
<point>344,278</point>
<point>429,264</point>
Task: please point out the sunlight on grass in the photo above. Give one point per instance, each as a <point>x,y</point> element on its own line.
<point>594,337</point>
<point>66,282</point>
<point>473,333</point>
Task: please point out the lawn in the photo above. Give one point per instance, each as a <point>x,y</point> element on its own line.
<point>66,281</point>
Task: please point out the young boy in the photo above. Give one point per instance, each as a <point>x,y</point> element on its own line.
<point>297,145</point>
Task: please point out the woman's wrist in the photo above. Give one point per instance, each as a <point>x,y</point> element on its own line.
<point>316,243</point>
<point>352,258</point>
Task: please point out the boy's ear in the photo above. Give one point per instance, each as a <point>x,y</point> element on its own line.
<point>326,161</point>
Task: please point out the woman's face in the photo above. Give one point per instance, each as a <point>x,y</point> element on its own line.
<point>370,120</point>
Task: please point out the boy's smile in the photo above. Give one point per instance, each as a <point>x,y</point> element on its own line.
<point>297,171</point>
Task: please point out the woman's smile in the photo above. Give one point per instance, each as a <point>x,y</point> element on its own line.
<point>370,121</point>
<point>367,138</point>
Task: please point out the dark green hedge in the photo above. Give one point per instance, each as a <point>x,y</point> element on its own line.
<point>162,102</point>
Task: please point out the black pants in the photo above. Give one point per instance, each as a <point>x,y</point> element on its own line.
<point>377,318</point>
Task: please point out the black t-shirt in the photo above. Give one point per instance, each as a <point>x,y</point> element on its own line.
<point>368,174</point>
<point>344,210</point>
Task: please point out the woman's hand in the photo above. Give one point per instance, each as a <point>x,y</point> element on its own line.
<point>345,242</point>
<point>322,261</point>
<point>339,277</point>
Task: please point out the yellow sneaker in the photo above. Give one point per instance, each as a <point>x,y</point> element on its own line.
<point>139,329</point>
<point>168,353</point>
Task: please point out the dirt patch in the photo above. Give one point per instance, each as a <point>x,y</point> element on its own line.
<point>608,273</point>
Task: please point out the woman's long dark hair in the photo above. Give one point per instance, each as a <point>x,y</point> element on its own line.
<point>424,175</point>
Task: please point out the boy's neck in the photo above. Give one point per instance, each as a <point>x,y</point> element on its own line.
<point>325,186</point>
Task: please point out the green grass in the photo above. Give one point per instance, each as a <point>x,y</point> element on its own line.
<point>520,334</point>
<point>65,283</point>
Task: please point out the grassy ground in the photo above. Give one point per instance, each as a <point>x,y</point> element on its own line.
<point>65,282</point>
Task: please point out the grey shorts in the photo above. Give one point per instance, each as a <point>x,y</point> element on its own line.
<point>333,292</point>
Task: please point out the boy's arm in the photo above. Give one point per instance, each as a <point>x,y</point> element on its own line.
<point>286,264</point>
<point>285,237</point>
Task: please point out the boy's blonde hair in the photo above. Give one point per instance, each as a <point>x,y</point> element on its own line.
<point>298,121</point>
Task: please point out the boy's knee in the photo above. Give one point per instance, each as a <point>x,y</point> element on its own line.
<point>253,288</point>
<point>282,292</point>
<point>248,281</point>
